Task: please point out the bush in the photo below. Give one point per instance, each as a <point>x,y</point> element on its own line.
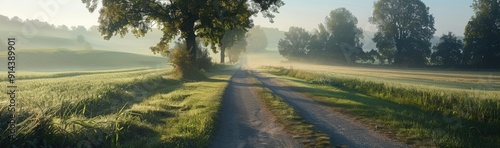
<point>181,62</point>
<point>187,69</point>
<point>204,60</point>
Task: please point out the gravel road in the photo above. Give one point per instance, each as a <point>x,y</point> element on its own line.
<point>244,121</point>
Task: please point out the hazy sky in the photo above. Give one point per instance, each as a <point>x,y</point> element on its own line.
<point>450,15</point>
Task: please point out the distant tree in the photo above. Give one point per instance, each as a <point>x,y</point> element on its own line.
<point>406,26</point>
<point>63,28</point>
<point>4,18</point>
<point>482,35</point>
<point>374,55</point>
<point>257,39</point>
<point>231,37</point>
<point>318,45</point>
<point>79,29</point>
<point>368,56</point>
<point>16,20</point>
<point>208,19</point>
<point>342,27</point>
<point>235,51</point>
<point>94,28</point>
<point>81,40</point>
<point>294,45</point>
<point>448,52</point>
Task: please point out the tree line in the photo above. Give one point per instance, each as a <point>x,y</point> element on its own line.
<point>405,29</point>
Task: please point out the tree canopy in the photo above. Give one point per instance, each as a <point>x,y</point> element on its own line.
<point>293,46</point>
<point>342,26</point>
<point>343,31</point>
<point>233,38</point>
<point>448,52</point>
<point>405,26</point>
<point>328,43</point>
<point>482,35</point>
<point>208,19</point>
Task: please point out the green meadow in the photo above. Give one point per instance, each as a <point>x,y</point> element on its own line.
<point>114,108</point>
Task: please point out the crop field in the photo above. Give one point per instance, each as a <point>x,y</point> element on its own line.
<point>113,108</point>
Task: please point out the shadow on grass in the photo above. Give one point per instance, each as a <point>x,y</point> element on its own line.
<point>123,97</point>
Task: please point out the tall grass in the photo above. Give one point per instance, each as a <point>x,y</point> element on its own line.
<point>129,108</point>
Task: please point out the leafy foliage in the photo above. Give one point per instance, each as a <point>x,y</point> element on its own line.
<point>327,43</point>
<point>293,46</point>
<point>448,52</point>
<point>405,26</point>
<point>235,40</point>
<point>319,45</point>
<point>342,26</point>
<point>482,35</point>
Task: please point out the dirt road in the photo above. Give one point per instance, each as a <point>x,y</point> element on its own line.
<point>244,122</point>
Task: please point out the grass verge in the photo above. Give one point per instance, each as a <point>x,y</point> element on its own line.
<point>293,123</point>
<point>400,113</point>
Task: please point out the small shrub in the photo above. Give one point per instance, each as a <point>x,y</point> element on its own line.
<point>181,62</point>
<point>204,60</point>
<point>187,69</point>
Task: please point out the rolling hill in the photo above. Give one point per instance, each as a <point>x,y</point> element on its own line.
<point>79,60</point>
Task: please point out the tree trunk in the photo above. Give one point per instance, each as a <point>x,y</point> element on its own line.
<point>191,45</point>
<point>398,57</point>
<point>191,39</point>
<point>222,54</point>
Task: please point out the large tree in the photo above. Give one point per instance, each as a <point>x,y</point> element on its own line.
<point>448,52</point>
<point>406,26</point>
<point>482,34</point>
<point>208,19</point>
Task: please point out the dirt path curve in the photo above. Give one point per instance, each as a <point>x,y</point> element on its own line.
<point>342,129</point>
<point>244,122</point>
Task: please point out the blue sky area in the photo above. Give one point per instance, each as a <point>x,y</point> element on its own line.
<point>450,15</point>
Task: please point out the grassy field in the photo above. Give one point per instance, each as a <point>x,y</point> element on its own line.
<point>127,108</point>
<point>424,117</point>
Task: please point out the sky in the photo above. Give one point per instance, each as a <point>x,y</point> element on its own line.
<point>449,15</point>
